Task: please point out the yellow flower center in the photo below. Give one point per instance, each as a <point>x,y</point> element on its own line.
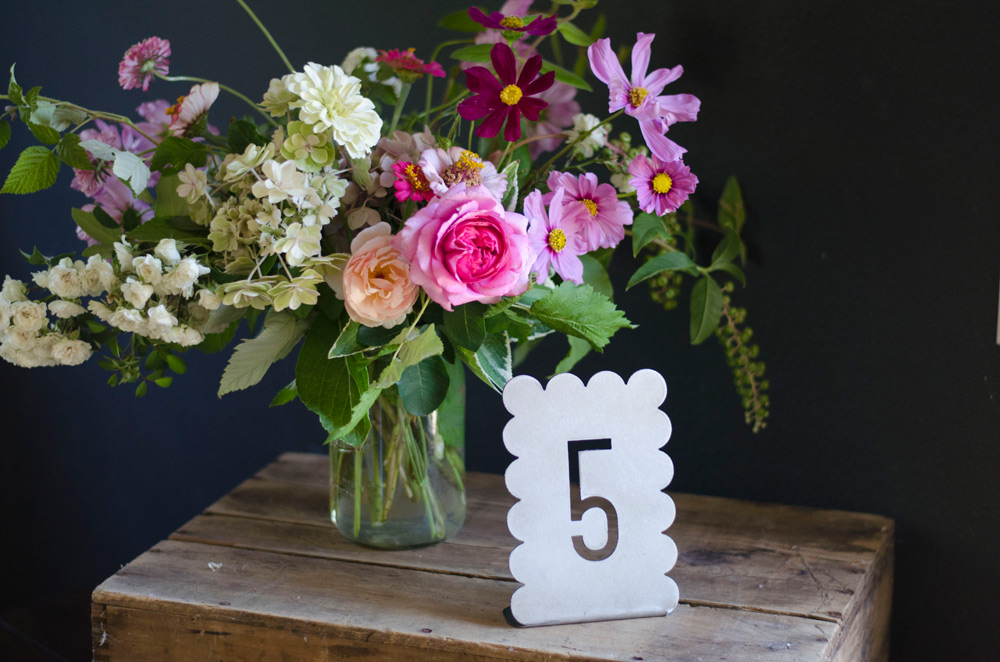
<point>662,183</point>
<point>465,169</point>
<point>176,108</point>
<point>636,96</point>
<point>514,22</point>
<point>590,205</point>
<point>510,95</point>
<point>469,161</point>
<point>416,178</point>
<point>557,240</point>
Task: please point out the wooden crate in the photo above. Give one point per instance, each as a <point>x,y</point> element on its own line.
<point>263,575</point>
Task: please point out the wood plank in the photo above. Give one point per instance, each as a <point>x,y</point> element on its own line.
<point>170,604</point>
<point>865,635</point>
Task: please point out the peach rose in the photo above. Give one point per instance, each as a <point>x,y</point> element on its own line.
<point>375,283</point>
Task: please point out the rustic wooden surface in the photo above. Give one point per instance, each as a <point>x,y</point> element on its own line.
<point>263,575</point>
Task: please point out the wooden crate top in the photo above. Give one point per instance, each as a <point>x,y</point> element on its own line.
<point>264,564</point>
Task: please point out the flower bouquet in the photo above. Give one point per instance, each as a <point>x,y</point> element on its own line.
<point>396,245</point>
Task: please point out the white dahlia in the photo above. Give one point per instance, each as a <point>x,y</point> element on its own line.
<point>330,100</point>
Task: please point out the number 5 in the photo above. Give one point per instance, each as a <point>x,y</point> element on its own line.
<point>574,448</point>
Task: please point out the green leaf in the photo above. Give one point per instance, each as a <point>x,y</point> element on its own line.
<point>346,343</point>
<point>460,21</point>
<point>168,203</point>
<point>105,219</point>
<point>599,25</point>
<point>177,151</point>
<point>36,169</point>
<point>423,387</point>
<point>35,258</point>
<point>495,359</point>
<point>104,250</point>
<point>69,151</point>
<point>578,348</point>
<point>14,90</point>
<point>727,249</point>
<point>574,35</point>
<point>43,133</point>
<point>174,227</point>
<point>706,308</point>
<point>163,382</point>
<point>373,336</point>
<point>252,357</point>
<point>732,211</point>
<point>176,364</point>
<point>95,229</point>
<point>412,350</point>
<point>56,116</point>
<point>733,271</point>
<point>595,276</point>
<point>241,134</point>
<point>509,200</point>
<point>132,170</point>
<point>671,261</point>
<point>580,311</point>
<point>479,53</point>
<point>285,395</point>
<point>4,133</point>
<point>325,386</point>
<point>141,389</point>
<point>566,76</point>
<point>645,229</point>
<point>216,342</point>
<point>451,413</point>
<point>465,325</point>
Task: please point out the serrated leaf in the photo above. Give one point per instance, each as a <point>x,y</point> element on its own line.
<point>285,395</point>
<point>4,133</point>
<point>647,228</point>
<point>574,35</point>
<point>99,150</point>
<point>132,170</point>
<point>460,21</point>
<point>216,342</point>
<point>69,151</point>
<point>578,348</point>
<point>177,151</point>
<point>732,212</point>
<point>509,200</point>
<point>672,261</point>
<point>97,231</point>
<point>43,133</point>
<point>478,53</point>
<point>36,169</point>
<point>252,357</point>
<point>168,203</point>
<point>706,308</point>
<point>423,387</point>
<point>566,76</point>
<point>241,134</point>
<point>347,342</point>
<point>465,325</point>
<point>221,319</point>
<point>56,116</point>
<point>580,311</point>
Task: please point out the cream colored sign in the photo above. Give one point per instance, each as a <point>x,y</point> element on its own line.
<point>608,559</point>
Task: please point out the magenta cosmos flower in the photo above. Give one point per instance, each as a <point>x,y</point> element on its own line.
<point>640,96</point>
<point>506,98</point>
<point>661,186</point>
<point>513,23</point>
<point>465,247</point>
<point>555,237</point>
<point>141,61</point>
<point>407,66</point>
<point>603,226</point>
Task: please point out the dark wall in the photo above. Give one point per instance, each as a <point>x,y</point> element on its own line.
<point>865,138</point>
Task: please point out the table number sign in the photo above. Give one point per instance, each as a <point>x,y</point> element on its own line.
<point>593,549</point>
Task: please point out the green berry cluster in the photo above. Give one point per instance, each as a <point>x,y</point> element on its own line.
<point>741,355</point>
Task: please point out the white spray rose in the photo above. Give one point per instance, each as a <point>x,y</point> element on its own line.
<point>64,280</point>
<point>136,293</point>
<point>182,278</point>
<point>28,315</point>
<point>184,335</point>
<point>71,352</point>
<point>65,309</point>
<point>41,279</point>
<point>160,320</point>
<point>129,321</point>
<point>101,310</point>
<point>148,268</point>
<point>208,299</point>
<point>124,254</point>
<point>13,290</point>
<point>167,251</point>
<point>21,338</point>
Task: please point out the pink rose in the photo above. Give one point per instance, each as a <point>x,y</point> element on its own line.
<point>375,283</point>
<point>465,247</point>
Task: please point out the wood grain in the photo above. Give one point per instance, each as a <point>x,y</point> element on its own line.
<point>758,581</point>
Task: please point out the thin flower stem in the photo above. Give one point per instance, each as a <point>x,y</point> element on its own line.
<point>267,34</point>
<point>569,146</point>
<point>238,95</point>
<point>430,79</point>
<point>404,91</point>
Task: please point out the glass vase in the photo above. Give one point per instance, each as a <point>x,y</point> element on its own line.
<point>405,486</point>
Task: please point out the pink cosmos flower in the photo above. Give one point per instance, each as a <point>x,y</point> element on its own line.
<point>141,60</point>
<point>191,108</point>
<point>465,247</point>
<point>555,237</point>
<point>410,182</point>
<point>603,226</point>
<point>661,186</point>
<point>640,96</point>
<point>407,66</point>
<point>375,283</point>
<point>507,98</point>
<point>446,168</point>
<point>157,121</point>
<point>553,119</point>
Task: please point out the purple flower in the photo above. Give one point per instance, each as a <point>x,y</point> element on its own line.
<point>507,98</point>
<point>555,237</point>
<point>640,96</point>
<point>661,186</point>
<point>514,24</point>
<point>141,61</point>
<point>603,224</point>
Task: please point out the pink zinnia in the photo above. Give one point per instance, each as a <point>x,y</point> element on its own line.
<point>661,186</point>
<point>603,226</point>
<point>142,61</point>
<point>555,237</point>
<point>408,66</point>
<point>411,184</point>
<point>191,108</point>
<point>640,97</point>
<point>507,98</point>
